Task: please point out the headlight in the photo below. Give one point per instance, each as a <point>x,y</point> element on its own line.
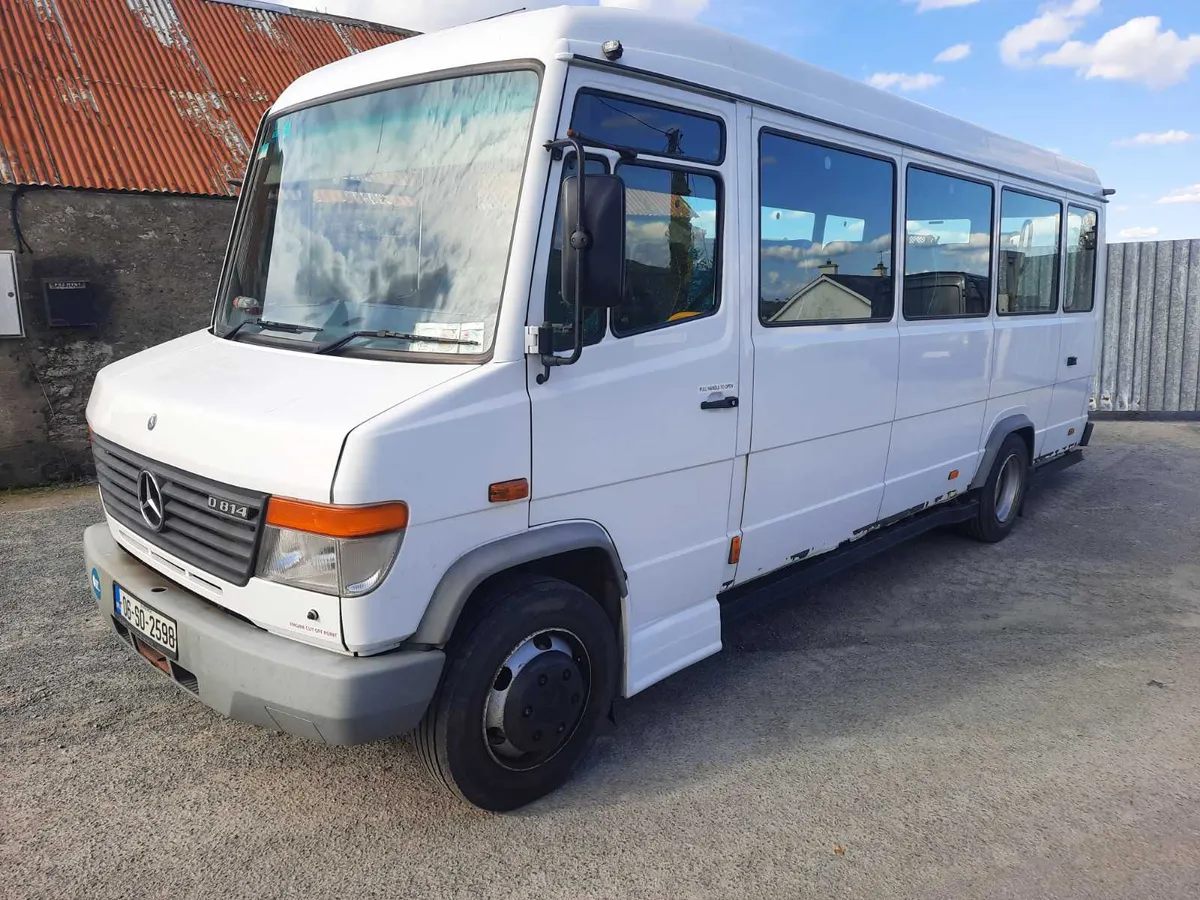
<point>340,550</point>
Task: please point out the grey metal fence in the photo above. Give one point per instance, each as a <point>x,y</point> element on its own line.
<point>1150,360</point>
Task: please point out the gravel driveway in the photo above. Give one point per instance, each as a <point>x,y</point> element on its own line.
<point>952,720</point>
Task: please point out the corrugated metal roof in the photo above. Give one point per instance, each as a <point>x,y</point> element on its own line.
<point>151,95</point>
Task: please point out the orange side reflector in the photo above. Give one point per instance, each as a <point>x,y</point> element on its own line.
<point>954,475</point>
<point>508,491</point>
<point>336,521</point>
<point>735,550</point>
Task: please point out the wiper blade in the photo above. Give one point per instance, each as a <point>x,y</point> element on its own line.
<point>335,345</point>
<point>273,326</point>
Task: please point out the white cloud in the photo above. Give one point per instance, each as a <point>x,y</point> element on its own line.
<point>1137,51</point>
<point>904,82</point>
<point>423,15</point>
<point>1156,139</point>
<point>1139,234</point>
<point>927,5</point>
<point>953,54</point>
<point>1183,195</point>
<point>1055,24</point>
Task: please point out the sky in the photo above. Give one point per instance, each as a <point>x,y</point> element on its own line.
<point>1112,83</point>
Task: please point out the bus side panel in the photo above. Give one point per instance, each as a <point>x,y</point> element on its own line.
<point>1025,368</point>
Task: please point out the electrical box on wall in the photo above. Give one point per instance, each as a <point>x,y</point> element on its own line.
<point>10,297</point>
<point>70,303</point>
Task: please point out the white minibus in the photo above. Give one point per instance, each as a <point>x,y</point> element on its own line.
<point>475,444</point>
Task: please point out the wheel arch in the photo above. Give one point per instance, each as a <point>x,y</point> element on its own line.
<point>579,552</point>
<point>1018,423</point>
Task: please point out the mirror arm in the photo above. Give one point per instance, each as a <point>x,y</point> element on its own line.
<point>580,240</point>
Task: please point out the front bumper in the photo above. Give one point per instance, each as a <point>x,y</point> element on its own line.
<point>253,676</point>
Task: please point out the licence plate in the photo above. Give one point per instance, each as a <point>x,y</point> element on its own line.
<point>148,622</point>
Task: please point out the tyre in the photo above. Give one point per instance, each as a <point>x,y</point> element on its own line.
<point>1002,495</point>
<point>527,682</point>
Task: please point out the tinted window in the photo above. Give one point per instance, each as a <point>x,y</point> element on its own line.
<point>650,128</point>
<point>671,247</point>
<point>1029,254</point>
<point>1082,234</point>
<point>559,312</point>
<point>948,257</point>
<point>826,234</point>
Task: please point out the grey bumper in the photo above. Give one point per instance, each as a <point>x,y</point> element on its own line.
<point>252,676</point>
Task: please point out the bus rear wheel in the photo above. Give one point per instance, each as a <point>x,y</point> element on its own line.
<point>526,686</point>
<point>1003,494</point>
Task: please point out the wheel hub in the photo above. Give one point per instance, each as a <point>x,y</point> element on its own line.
<point>1008,488</point>
<point>544,702</point>
<point>537,700</point>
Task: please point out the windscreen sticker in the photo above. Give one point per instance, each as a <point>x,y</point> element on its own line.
<point>457,331</point>
<point>473,332</point>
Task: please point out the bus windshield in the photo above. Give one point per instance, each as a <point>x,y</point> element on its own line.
<point>391,211</point>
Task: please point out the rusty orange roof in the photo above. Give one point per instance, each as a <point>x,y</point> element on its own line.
<point>151,95</point>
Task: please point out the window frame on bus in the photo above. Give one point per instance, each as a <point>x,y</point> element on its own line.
<point>1059,277</point>
<point>658,104</point>
<point>896,164</point>
<point>1072,204</point>
<point>668,164</point>
<point>993,241</point>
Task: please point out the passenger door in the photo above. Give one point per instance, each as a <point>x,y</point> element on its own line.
<point>640,434</point>
<point>946,335</point>
<point>1028,323</point>
<point>821,314</point>
<point>1077,345</point>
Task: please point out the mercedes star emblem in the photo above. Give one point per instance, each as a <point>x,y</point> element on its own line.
<point>150,501</point>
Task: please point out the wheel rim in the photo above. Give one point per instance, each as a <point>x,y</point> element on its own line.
<point>537,699</point>
<point>1008,489</point>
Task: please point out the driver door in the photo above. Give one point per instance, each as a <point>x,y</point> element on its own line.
<point>621,438</point>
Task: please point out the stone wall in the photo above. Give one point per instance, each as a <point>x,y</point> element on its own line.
<point>153,261</point>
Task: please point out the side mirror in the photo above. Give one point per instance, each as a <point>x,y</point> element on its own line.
<point>595,242</point>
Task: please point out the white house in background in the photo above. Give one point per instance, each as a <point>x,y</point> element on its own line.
<point>832,296</point>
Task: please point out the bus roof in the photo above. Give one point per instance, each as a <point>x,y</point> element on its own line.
<point>702,56</point>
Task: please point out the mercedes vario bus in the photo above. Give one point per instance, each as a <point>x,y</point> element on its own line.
<point>546,344</point>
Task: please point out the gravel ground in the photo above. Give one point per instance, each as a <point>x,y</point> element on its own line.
<point>952,720</point>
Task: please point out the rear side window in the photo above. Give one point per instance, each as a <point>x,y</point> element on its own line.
<point>1082,235</point>
<point>948,254</point>
<point>826,222</point>
<point>650,127</point>
<point>1030,254</point>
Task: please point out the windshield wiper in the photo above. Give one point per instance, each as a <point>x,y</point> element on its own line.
<point>337,344</point>
<point>273,326</point>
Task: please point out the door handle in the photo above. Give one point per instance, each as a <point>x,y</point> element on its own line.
<point>723,403</point>
<point>1072,360</point>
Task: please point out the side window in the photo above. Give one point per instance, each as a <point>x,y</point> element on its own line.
<point>1030,252</point>
<point>649,127</point>
<point>1082,234</point>
<point>559,312</point>
<point>672,246</point>
<point>948,253</point>
<point>826,248</point>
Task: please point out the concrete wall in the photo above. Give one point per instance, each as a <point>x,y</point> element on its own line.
<point>154,261</point>
<point>1151,358</point>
